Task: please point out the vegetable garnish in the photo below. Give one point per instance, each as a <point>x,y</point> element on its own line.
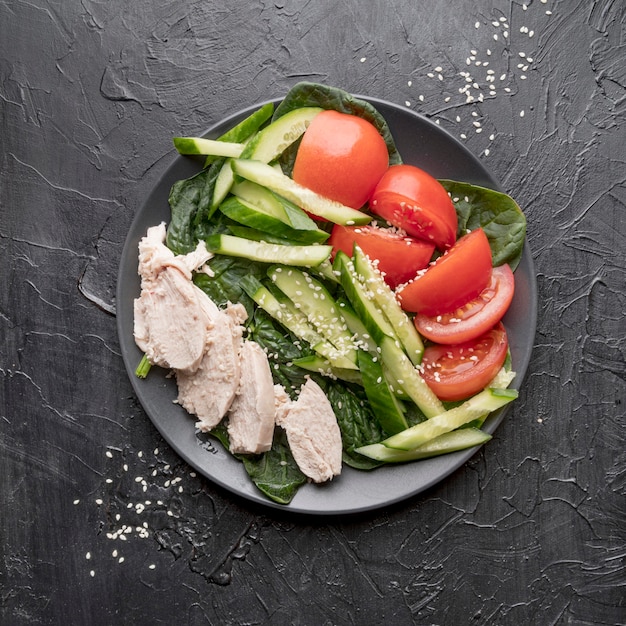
<point>321,278</point>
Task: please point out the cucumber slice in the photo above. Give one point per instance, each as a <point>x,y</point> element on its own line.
<point>361,300</point>
<point>264,252</point>
<point>362,338</point>
<point>387,408</point>
<point>245,213</point>
<point>223,183</point>
<point>311,297</point>
<point>246,128</point>
<point>444,444</point>
<point>384,297</point>
<point>476,407</point>
<point>294,320</point>
<point>268,144</point>
<point>267,176</point>
<point>315,363</point>
<point>199,145</point>
<point>405,374</point>
<point>271,204</point>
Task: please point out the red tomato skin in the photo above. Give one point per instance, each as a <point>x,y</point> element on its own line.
<point>399,257</point>
<point>454,378</point>
<point>476,316</point>
<point>410,198</point>
<point>341,157</point>
<point>455,278</point>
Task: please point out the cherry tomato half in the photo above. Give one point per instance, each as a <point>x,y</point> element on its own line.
<point>413,200</point>
<point>455,278</point>
<point>476,316</point>
<point>399,257</point>
<point>459,371</point>
<point>341,157</point>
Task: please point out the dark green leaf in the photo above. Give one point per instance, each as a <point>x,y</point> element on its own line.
<point>275,472</point>
<point>497,213</point>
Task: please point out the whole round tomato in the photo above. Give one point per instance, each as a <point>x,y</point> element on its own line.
<point>459,371</point>
<point>341,157</point>
<point>398,257</point>
<point>413,200</point>
<point>456,277</point>
<point>474,317</point>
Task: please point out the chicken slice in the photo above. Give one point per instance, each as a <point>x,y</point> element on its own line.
<point>169,325</point>
<point>312,432</point>
<point>251,415</point>
<point>208,391</point>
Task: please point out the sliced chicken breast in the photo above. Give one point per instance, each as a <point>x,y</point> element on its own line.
<point>251,415</point>
<point>208,391</point>
<point>169,326</point>
<point>312,432</point>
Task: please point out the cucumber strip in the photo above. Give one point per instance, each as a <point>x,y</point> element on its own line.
<point>361,336</point>
<point>229,245</point>
<point>361,300</point>
<point>246,128</point>
<point>406,375</point>
<point>223,183</point>
<point>245,213</point>
<point>384,297</point>
<point>444,444</point>
<point>295,321</point>
<point>268,202</point>
<point>481,404</point>
<point>213,147</point>
<point>268,144</point>
<point>387,408</point>
<point>325,270</point>
<point>256,235</point>
<point>311,297</point>
<point>315,363</point>
<point>267,176</point>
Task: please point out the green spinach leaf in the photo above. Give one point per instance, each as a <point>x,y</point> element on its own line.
<point>497,213</point>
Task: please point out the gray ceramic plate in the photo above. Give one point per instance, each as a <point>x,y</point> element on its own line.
<point>421,143</point>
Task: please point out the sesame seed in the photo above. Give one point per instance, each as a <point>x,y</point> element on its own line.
<point>109,454</point>
<point>92,573</point>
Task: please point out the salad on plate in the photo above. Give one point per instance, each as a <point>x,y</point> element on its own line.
<point>320,302</point>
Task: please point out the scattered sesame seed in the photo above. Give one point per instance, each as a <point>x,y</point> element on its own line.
<point>92,573</point>
<point>151,566</point>
<point>109,454</point>
<point>76,501</point>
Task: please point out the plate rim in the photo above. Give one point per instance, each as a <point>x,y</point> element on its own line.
<point>454,460</point>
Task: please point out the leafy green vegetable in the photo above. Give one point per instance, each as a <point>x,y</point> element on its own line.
<point>306,94</point>
<point>190,204</point>
<point>497,213</point>
<point>275,473</point>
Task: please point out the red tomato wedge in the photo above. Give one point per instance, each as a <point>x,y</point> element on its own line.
<point>455,278</point>
<point>459,371</point>
<point>341,157</point>
<point>399,257</point>
<point>411,199</point>
<point>476,316</point>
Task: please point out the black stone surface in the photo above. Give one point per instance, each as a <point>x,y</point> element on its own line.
<point>101,522</point>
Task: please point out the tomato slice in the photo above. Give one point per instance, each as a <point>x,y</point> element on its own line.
<point>341,157</point>
<point>413,200</point>
<point>399,257</point>
<point>459,371</point>
<point>456,277</point>
<point>476,316</point>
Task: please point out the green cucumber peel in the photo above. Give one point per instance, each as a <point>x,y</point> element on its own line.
<point>444,444</point>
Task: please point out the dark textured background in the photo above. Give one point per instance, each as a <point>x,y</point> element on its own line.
<point>101,523</point>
